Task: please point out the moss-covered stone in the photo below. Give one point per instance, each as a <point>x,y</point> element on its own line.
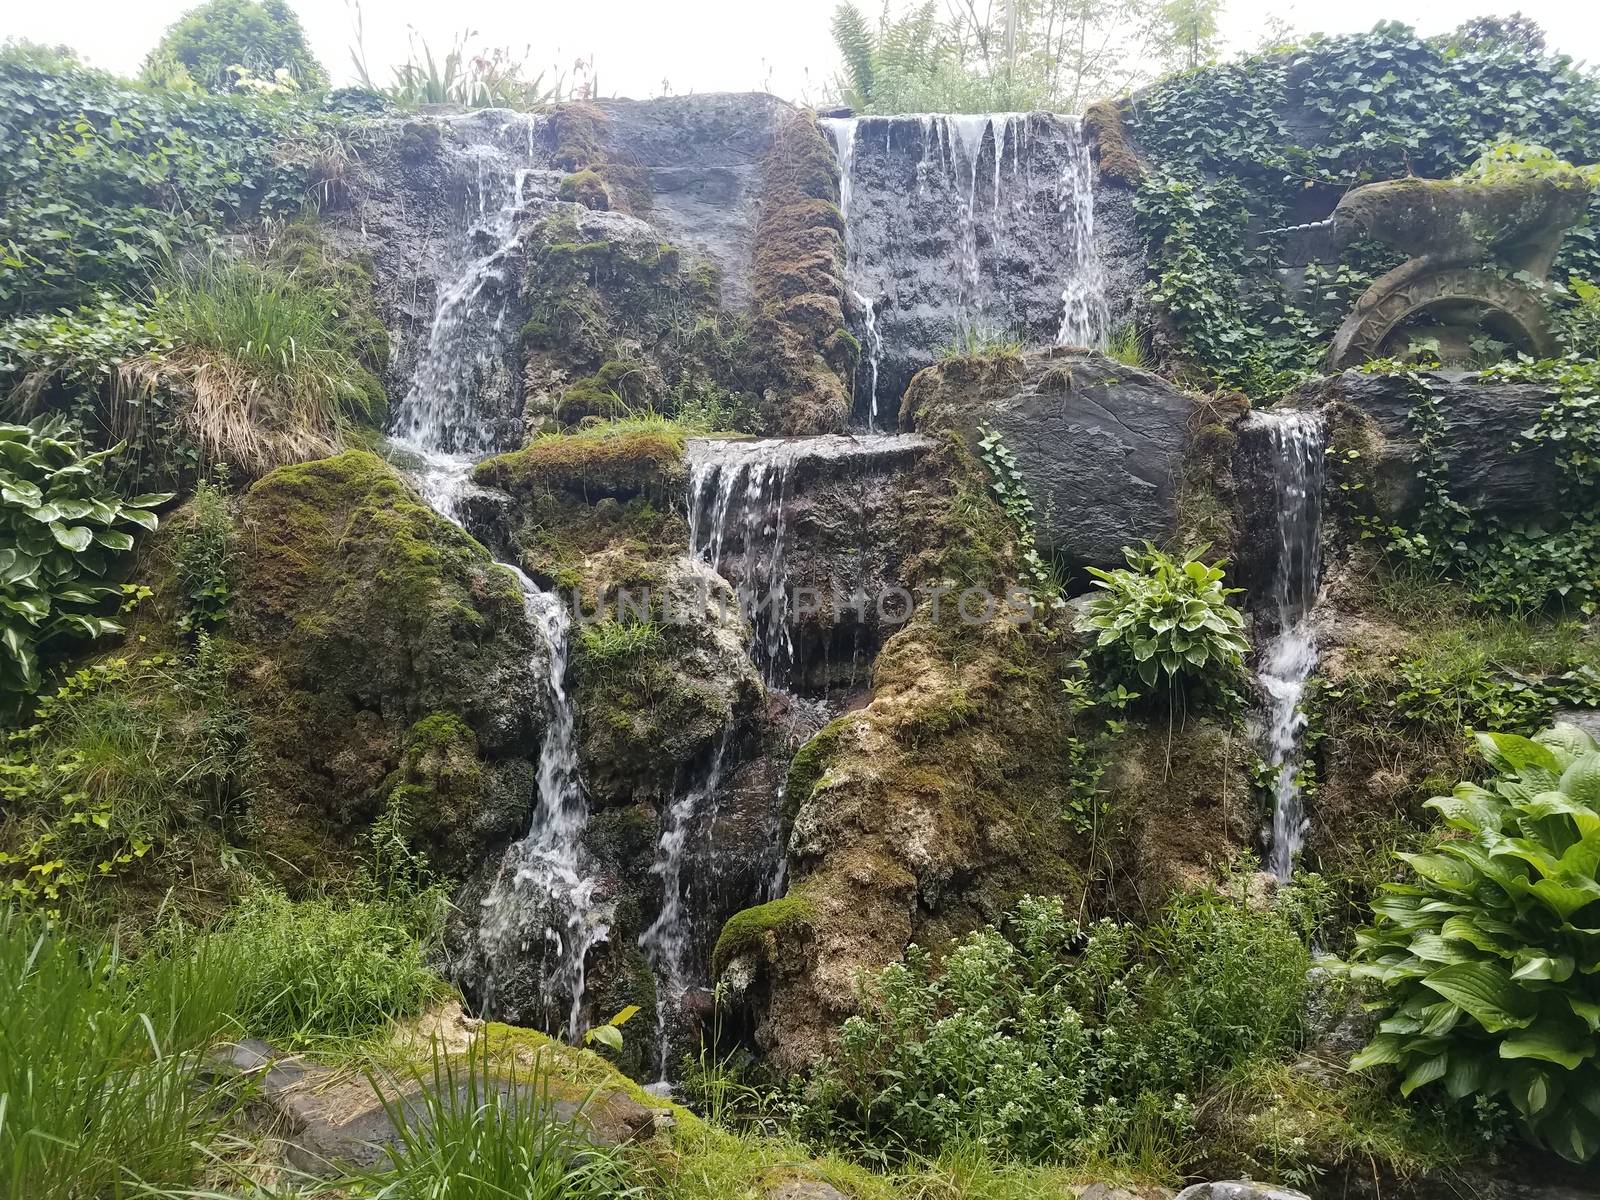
<point>604,461</point>
<point>587,188</point>
<point>805,365</point>
<point>756,930</point>
<point>380,649</point>
<point>1114,153</point>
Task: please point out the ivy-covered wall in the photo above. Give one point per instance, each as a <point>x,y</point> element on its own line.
<point>1241,150</point>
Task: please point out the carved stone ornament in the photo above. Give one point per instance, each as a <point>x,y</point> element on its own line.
<point>1481,251</point>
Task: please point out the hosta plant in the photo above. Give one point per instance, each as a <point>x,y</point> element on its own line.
<point>61,529</point>
<point>1487,956</point>
<point>1162,619</point>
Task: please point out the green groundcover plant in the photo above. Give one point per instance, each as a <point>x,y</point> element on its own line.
<point>1487,956</point>
<point>61,529</point>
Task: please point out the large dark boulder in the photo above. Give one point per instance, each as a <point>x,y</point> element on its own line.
<point>1099,444</point>
<point>1490,464</point>
<point>385,660</point>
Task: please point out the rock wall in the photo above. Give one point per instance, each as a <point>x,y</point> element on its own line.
<point>1100,445</point>
<point>941,235</point>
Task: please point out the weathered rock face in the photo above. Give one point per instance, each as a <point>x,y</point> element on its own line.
<point>1489,466</point>
<point>1100,445</point>
<point>630,246</point>
<point>923,813</point>
<point>979,221</point>
<point>849,513</point>
<point>383,659</point>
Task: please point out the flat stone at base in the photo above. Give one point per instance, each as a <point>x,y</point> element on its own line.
<point>1238,1189</point>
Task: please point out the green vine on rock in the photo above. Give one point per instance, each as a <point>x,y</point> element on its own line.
<point>1515,566</point>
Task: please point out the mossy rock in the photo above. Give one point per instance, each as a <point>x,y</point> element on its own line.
<point>756,930</point>
<point>587,188</point>
<point>380,651</point>
<point>591,464</point>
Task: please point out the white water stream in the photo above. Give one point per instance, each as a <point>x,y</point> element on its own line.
<point>543,895</point>
<point>1297,440</point>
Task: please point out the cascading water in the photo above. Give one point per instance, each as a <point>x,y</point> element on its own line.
<point>1084,312</point>
<point>743,490</point>
<point>668,941</point>
<point>991,229</point>
<point>842,131</point>
<point>1296,441</point>
<point>542,892</point>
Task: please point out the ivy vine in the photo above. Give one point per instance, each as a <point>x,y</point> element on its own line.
<point>1251,147</point>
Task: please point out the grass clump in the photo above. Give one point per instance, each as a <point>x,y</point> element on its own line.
<point>977,341</point>
<point>273,377</point>
<point>100,1088</point>
<point>481,1131</point>
<point>329,970</point>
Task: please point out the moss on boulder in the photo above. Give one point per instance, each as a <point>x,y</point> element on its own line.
<point>805,366</point>
<point>382,655</point>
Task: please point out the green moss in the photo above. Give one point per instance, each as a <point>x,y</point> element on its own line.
<point>586,188</point>
<point>798,281</point>
<point>367,627</point>
<point>810,763</point>
<point>607,460</point>
<point>751,929</point>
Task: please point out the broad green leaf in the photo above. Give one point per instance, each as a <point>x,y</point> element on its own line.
<point>1564,1043</point>
<point>1485,992</point>
<point>73,537</point>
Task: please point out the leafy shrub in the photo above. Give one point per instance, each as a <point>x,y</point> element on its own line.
<point>101,181</point>
<point>332,969</point>
<point>1160,619</point>
<point>1577,326</point>
<point>208,42</point>
<point>60,528</point>
<point>480,1131</point>
<point>100,1088</point>
<point>125,763</point>
<point>1485,958</point>
<point>1049,1041</point>
<point>73,362</point>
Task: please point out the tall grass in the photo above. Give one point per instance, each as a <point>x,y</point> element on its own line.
<point>274,376</point>
<point>321,972</point>
<point>100,1088</point>
<point>481,1133</point>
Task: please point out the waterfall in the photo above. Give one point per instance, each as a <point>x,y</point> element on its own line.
<point>542,891</point>
<point>958,222</point>
<point>1084,312</point>
<point>1296,441</point>
<point>842,132</point>
<point>742,489</point>
<point>669,940</point>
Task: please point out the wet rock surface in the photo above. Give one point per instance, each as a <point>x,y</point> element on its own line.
<point>942,237</point>
<point>1100,445</point>
<point>843,508</point>
<point>1489,465</point>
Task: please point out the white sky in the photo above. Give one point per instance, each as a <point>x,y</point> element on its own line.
<point>694,45</point>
